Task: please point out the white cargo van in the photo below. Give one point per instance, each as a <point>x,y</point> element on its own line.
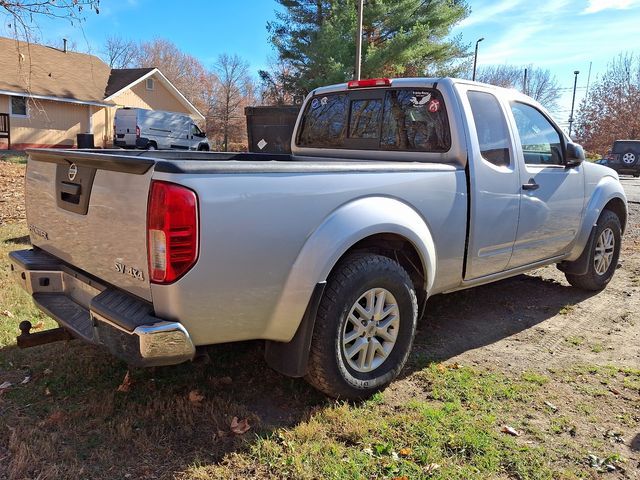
<point>157,130</point>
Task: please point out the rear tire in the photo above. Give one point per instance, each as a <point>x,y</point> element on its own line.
<point>152,146</point>
<point>603,258</point>
<point>364,328</point>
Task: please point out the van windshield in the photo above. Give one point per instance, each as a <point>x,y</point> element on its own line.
<point>392,119</point>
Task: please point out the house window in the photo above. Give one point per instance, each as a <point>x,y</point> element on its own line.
<point>19,106</point>
<point>150,84</point>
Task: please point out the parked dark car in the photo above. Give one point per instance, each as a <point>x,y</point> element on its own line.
<point>625,157</point>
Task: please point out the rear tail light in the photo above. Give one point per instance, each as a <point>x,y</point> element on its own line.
<point>137,131</point>
<point>172,231</point>
<point>370,82</point>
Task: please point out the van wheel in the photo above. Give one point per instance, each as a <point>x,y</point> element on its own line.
<point>603,258</point>
<point>364,328</point>
<point>152,146</point>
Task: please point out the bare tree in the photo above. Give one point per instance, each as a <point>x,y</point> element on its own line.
<point>23,14</point>
<point>183,70</point>
<point>541,85</point>
<point>120,53</point>
<point>610,111</point>
<point>276,87</point>
<point>235,91</point>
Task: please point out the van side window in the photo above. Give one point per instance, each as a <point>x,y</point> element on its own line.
<point>491,127</point>
<point>415,120</point>
<point>541,142</point>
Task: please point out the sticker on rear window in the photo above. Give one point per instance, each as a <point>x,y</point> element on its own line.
<point>434,106</point>
<point>420,98</point>
<point>315,103</point>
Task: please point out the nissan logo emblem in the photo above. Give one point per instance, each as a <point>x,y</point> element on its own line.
<point>73,171</point>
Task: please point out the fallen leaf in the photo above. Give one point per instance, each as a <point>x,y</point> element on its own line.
<point>441,367</point>
<point>551,406</point>
<point>26,380</point>
<point>401,478</point>
<point>47,371</point>
<point>226,380</point>
<point>405,452</point>
<point>56,417</point>
<point>510,431</point>
<point>127,383</point>
<point>615,391</point>
<point>38,326</point>
<point>432,467</point>
<point>196,397</point>
<point>240,427</point>
<point>7,313</point>
<point>5,385</point>
<point>47,392</point>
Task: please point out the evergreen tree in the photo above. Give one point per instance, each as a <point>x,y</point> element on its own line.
<point>401,38</point>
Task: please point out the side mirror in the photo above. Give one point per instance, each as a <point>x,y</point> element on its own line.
<point>574,155</point>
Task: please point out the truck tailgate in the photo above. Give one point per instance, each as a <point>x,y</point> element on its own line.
<point>89,210</point>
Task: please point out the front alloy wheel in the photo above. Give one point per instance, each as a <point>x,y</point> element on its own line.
<point>605,248</point>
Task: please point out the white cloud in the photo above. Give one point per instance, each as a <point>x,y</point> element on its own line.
<point>482,14</point>
<point>599,5</point>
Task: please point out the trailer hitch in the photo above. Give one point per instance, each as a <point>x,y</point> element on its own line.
<point>27,339</point>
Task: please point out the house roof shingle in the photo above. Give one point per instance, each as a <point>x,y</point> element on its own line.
<point>41,70</point>
<point>122,77</point>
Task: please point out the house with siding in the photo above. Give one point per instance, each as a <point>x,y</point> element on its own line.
<point>48,96</point>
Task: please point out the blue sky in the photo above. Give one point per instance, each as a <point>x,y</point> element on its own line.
<point>560,35</point>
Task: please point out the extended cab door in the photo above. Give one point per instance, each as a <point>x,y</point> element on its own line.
<point>552,196</point>
<point>494,184</point>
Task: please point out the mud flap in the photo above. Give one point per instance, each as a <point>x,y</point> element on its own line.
<point>580,266</point>
<point>291,358</point>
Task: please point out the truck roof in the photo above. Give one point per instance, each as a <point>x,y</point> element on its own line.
<point>416,82</point>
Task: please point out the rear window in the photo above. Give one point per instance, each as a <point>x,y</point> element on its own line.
<point>393,119</point>
<point>623,145</point>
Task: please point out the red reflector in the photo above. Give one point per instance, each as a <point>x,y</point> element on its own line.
<point>172,231</point>
<point>370,82</point>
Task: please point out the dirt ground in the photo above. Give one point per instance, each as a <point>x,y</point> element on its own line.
<point>533,322</point>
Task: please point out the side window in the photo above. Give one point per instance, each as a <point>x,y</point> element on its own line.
<point>491,127</point>
<point>415,120</point>
<point>541,142</point>
<point>324,122</point>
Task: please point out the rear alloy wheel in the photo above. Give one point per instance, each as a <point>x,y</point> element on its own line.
<point>364,328</point>
<point>603,258</point>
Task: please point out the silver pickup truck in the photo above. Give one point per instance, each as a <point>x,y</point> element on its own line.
<point>396,190</point>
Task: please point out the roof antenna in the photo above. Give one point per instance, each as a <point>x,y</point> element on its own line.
<point>64,45</point>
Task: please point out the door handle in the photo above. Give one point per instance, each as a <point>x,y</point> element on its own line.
<point>531,185</point>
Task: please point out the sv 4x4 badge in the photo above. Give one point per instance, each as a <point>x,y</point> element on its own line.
<point>132,272</point>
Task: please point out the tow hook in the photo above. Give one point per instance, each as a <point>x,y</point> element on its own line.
<point>27,339</point>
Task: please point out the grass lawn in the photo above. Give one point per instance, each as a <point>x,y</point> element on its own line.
<point>13,156</point>
<point>442,421</point>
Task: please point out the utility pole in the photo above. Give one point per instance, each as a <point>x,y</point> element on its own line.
<point>573,100</point>
<point>359,39</point>
<point>475,59</point>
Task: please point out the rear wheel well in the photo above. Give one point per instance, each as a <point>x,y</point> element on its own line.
<point>617,206</point>
<point>398,248</point>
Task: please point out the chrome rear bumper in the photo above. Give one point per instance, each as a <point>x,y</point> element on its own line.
<point>100,314</point>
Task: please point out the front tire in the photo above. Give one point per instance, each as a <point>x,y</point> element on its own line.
<point>603,258</point>
<point>364,328</point>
